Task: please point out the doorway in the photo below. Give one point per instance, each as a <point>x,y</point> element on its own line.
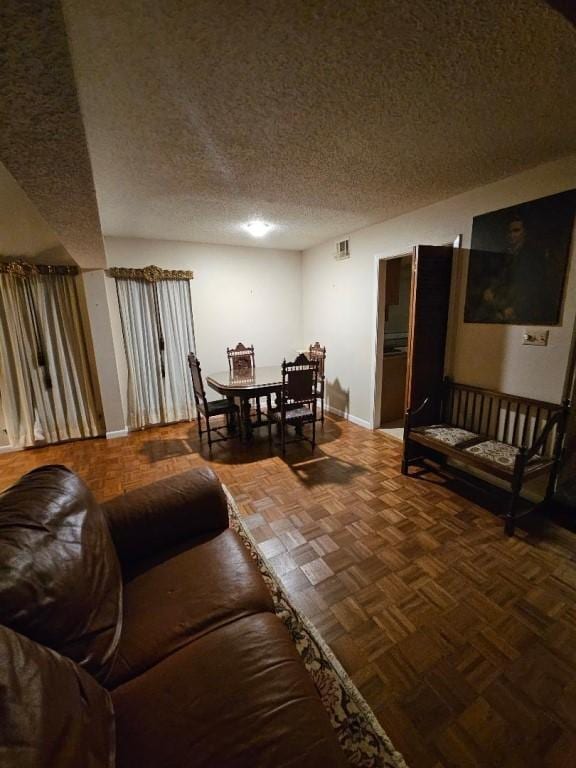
<point>394,309</point>
<point>412,309</point>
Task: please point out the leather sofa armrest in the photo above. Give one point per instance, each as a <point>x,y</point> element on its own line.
<point>148,520</point>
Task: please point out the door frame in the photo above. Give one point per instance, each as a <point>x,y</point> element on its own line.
<point>379,283</point>
<point>378,327</point>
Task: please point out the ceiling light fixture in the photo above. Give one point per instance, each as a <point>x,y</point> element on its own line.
<point>257,228</point>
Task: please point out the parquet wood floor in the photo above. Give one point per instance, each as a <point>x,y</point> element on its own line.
<point>463,641</point>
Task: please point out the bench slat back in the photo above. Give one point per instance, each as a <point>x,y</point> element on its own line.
<point>495,415</point>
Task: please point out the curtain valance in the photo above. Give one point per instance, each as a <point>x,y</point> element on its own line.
<point>25,269</point>
<point>151,274</point>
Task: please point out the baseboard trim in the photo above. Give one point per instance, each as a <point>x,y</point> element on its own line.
<point>9,449</point>
<point>349,417</point>
<point>117,433</point>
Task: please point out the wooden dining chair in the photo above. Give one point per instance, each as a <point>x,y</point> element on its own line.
<point>316,352</point>
<point>298,398</point>
<point>242,365</point>
<point>241,360</point>
<point>209,409</point>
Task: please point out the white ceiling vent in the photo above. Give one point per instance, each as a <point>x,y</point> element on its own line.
<point>342,249</point>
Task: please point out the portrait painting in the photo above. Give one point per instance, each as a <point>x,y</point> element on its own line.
<point>518,262</point>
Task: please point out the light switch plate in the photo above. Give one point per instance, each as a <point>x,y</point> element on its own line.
<point>535,338</point>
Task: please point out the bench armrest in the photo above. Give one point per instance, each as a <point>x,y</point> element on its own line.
<point>410,412</point>
<point>150,519</point>
<point>543,436</point>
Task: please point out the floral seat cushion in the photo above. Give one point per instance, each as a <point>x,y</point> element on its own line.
<point>302,412</point>
<point>499,453</point>
<point>453,436</point>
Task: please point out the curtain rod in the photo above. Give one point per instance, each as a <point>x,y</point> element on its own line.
<point>25,269</point>
<point>151,274</point>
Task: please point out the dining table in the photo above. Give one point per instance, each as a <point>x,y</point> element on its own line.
<point>261,381</point>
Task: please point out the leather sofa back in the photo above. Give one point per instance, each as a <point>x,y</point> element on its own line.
<point>60,581</point>
<point>51,712</point>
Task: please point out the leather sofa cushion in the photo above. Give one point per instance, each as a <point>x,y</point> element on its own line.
<point>52,713</point>
<point>60,581</point>
<point>182,594</point>
<point>237,697</point>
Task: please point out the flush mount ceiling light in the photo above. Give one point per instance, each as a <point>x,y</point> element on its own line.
<point>258,228</point>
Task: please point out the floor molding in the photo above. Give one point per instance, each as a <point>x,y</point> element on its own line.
<point>9,449</point>
<point>117,433</point>
<point>349,417</point>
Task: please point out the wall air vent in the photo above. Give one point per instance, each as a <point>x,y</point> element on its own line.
<point>342,249</point>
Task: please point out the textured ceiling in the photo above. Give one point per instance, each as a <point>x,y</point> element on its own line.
<point>42,140</point>
<point>320,117</point>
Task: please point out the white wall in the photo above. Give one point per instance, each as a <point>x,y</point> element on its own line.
<point>3,434</point>
<point>339,298</point>
<point>243,294</point>
<point>100,313</point>
<point>117,342</point>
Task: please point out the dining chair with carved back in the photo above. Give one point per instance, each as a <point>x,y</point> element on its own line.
<point>209,409</point>
<point>242,362</point>
<point>318,353</point>
<point>297,400</point>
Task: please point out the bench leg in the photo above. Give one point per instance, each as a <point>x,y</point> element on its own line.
<point>405,457</point>
<point>510,521</point>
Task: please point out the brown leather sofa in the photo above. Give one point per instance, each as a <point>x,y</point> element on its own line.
<point>141,634</point>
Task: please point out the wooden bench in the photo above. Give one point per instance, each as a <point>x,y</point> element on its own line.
<point>511,437</point>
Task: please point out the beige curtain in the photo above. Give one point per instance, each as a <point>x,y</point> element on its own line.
<point>47,391</point>
<point>175,305</point>
<point>141,342</point>
<point>156,315</point>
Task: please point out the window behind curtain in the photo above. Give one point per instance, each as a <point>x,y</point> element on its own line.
<point>158,336</point>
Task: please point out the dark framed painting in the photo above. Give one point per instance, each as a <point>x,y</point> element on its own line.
<point>518,262</point>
